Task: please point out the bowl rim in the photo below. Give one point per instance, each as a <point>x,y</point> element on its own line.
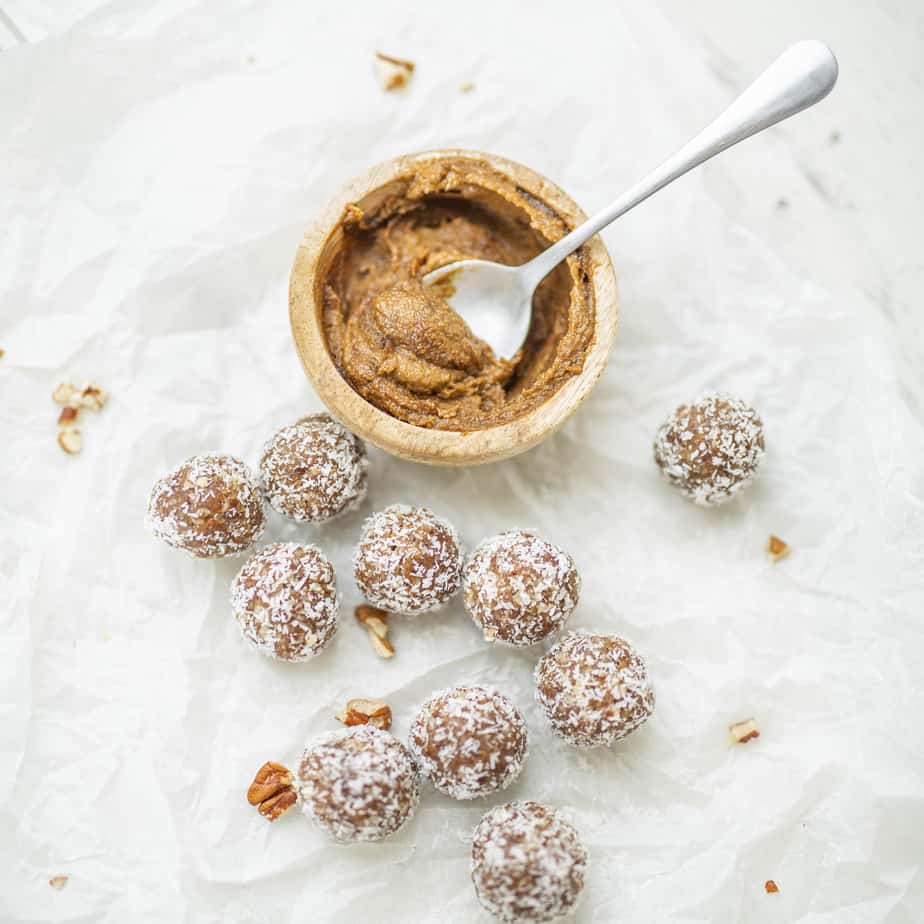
<point>423,444</point>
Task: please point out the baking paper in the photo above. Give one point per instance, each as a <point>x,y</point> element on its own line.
<point>160,163</point>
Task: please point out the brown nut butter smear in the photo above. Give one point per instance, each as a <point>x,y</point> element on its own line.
<point>402,347</point>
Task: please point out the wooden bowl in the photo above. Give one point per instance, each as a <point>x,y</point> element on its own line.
<point>422,444</point>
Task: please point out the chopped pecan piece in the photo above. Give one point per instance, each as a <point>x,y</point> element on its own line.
<point>376,623</point>
<point>366,712</point>
<point>744,731</point>
<point>92,396</point>
<point>770,887</point>
<point>394,73</point>
<point>65,393</point>
<point>68,415</point>
<point>776,548</point>
<point>374,619</point>
<point>70,440</point>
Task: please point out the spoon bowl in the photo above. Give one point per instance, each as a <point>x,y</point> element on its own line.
<point>482,286</point>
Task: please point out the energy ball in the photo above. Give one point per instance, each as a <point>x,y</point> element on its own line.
<point>469,741</point>
<point>285,601</point>
<point>520,588</point>
<point>314,470</point>
<point>528,863</point>
<point>594,689</point>
<point>408,560</point>
<point>358,784</point>
<point>209,506</point>
<point>710,449</point>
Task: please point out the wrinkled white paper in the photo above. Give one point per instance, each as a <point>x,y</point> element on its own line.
<point>160,162</point>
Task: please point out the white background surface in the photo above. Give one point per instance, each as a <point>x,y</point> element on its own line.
<point>159,164</point>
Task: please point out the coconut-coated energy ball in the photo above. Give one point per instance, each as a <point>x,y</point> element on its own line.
<point>209,506</point>
<point>520,588</point>
<point>358,784</point>
<point>711,448</point>
<point>594,689</point>
<point>314,469</point>
<point>528,863</point>
<point>408,560</point>
<point>469,741</point>
<point>285,601</point>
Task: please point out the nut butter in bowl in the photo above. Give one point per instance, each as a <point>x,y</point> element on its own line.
<point>389,356</point>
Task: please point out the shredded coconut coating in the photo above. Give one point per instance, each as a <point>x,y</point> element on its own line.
<point>520,588</point>
<point>285,601</point>
<point>528,863</point>
<point>314,470</point>
<point>710,449</point>
<point>469,741</point>
<point>358,784</point>
<point>408,560</point>
<point>209,506</point>
<point>594,689</point>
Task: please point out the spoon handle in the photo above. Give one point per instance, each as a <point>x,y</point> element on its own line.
<point>804,74</point>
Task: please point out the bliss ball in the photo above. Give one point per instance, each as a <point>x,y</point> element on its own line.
<point>528,863</point>
<point>469,741</point>
<point>209,506</point>
<point>314,470</point>
<point>520,588</point>
<point>358,784</point>
<point>594,689</point>
<point>285,601</point>
<point>408,560</point>
<point>710,449</point>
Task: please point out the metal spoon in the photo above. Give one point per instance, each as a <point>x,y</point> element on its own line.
<point>496,300</point>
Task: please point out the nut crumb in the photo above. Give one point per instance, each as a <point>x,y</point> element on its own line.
<point>744,731</point>
<point>58,882</point>
<point>272,790</point>
<point>770,887</point>
<point>466,87</point>
<point>70,440</point>
<point>776,548</point>
<point>366,712</point>
<point>393,73</point>
<point>2,352</point>
<point>68,416</point>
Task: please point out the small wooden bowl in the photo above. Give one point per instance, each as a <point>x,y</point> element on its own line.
<point>422,444</point>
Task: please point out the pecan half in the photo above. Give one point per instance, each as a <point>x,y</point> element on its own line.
<point>272,790</point>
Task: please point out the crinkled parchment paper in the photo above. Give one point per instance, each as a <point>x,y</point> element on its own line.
<point>159,164</point>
